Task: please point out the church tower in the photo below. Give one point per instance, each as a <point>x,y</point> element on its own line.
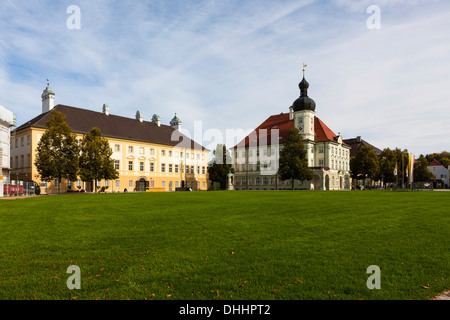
<point>304,111</point>
<point>48,99</point>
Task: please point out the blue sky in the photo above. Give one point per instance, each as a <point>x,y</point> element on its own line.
<point>231,64</point>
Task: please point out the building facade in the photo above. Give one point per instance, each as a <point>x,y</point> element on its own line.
<point>256,156</point>
<point>7,120</point>
<point>148,155</point>
<point>440,172</point>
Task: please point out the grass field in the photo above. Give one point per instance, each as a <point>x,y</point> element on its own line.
<point>287,245</point>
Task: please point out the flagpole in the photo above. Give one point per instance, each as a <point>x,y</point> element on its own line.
<point>403,174</point>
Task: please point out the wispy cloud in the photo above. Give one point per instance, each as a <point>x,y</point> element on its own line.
<point>231,64</point>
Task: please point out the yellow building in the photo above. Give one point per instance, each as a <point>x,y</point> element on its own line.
<point>148,155</point>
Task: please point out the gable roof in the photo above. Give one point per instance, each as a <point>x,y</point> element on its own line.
<point>284,124</point>
<point>82,121</point>
<point>357,143</point>
<point>434,163</point>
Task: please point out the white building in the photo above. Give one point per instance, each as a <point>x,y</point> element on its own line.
<point>256,156</point>
<point>7,120</point>
<point>440,172</point>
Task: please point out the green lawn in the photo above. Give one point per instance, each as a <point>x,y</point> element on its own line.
<point>226,245</point>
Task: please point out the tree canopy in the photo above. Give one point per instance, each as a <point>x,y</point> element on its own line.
<point>365,165</point>
<point>293,162</point>
<point>95,159</point>
<point>57,154</point>
<point>220,166</point>
<point>421,172</point>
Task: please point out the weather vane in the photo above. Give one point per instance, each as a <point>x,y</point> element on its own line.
<point>304,66</point>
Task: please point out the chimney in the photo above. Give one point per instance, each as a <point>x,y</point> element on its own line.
<point>48,99</point>
<point>157,120</point>
<point>358,139</point>
<point>291,113</point>
<point>139,116</point>
<point>106,109</point>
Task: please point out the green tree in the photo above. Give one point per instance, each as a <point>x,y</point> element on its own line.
<point>293,163</point>
<point>421,172</point>
<point>387,160</point>
<point>364,165</point>
<point>402,164</point>
<point>57,153</point>
<point>443,157</point>
<point>95,159</point>
<point>220,166</point>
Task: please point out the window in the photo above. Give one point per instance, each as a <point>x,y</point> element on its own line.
<point>170,168</point>
<point>141,166</point>
<point>130,149</point>
<point>152,167</point>
<point>152,184</point>
<point>198,156</point>
<point>152,152</point>
<point>258,181</point>
<point>28,139</point>
<point>117,164</point>
<point>176,184</point>
<point>203,156</point>
<point>130,165</point>
<point>69,184</point>
<point>198,170</point>
<point>163,167</point>
<point>78,183</point>
<point>130,183</point>
<point>117,147</point>
<point>204,169</point>
<point>192,156</point>
<point>203,184</point>
<point>21,141</point>
<point>57,183</point>
<point>17,142</point>
<point>192,169</point>
<point>141,150</point>
<point>163,153</point>
<point>117,184</point>
<point>21,161</point>
<point>170,153</point>
<point>28,160</point>
<point>163,184</point>
<point>170,185</point>
<point>176,154</point>
<point>187,155</point>
<point>321,163</point>
<point>107,183</point>
<point>176,168</point>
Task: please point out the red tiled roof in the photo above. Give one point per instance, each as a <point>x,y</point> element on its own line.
<point>283,124</point>
<point>434,163</point>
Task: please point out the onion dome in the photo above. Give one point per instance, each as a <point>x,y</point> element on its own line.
<point>304,102</point>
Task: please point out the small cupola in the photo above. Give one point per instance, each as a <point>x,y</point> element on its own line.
<point>48,99</point>
<point>156,119</point>
<point>139,116</point>
<point>105,109</point>
<point>175,123</point>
